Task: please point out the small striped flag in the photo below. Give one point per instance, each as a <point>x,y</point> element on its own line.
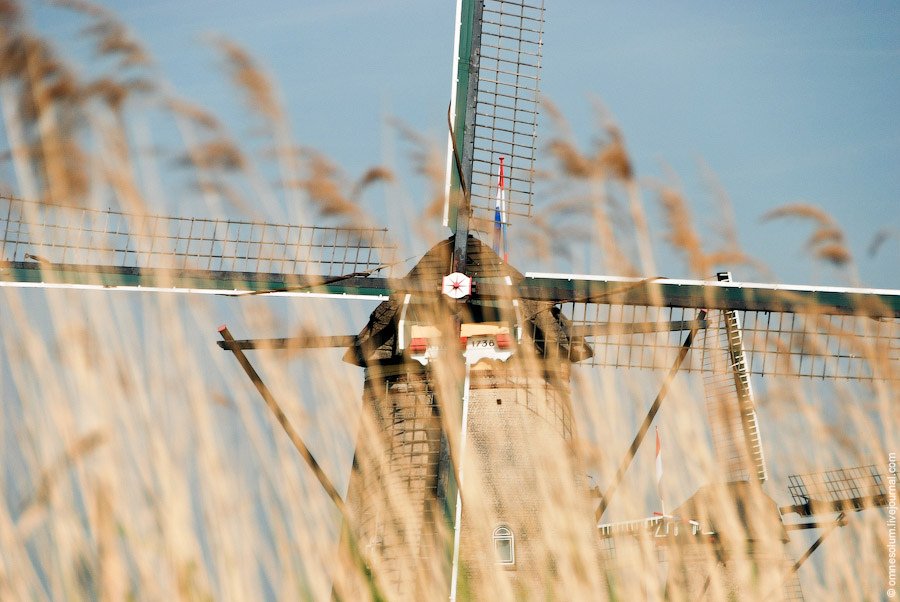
<point>500,218</point>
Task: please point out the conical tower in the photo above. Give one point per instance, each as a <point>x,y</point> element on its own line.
<point>744,554</point>
<point>523,493</point>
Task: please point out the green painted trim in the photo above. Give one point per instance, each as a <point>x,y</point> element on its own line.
<point>714,295</point>
<point>678,293</point>
<point>467,16</point>
<point>225,283</point>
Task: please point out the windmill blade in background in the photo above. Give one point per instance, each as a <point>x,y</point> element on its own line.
<point>729,397</point>
<point>44,245</point>
<point>842,489</point>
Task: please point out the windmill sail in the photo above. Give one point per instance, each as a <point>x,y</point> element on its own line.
<point>729,399</point>
<point>787,330</point>
<point>495,106</point>
<point>55,245</point>
<point>814,332</point>
<point>506,108</point>
<point>830,491</point>
<point>775,343</point>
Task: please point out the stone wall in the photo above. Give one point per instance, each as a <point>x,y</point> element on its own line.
<point>520,472</point>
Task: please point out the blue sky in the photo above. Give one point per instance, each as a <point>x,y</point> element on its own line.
<point>782,102</point>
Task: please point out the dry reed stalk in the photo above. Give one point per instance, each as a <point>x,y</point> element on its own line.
<point>427,162</point>
<point>608,164</point>
<point>81,447</point>
<point>195,113</point>
<point>261,98</point>
<point>217,154</point>
<point>827,241</point>
<point>196,494</point>
<point>878,240</point>
<point>800,210</point>
<point>682,234</point>
<point>324,184</point>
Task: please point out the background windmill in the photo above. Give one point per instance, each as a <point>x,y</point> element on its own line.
<point>705,559</point>
<point>548,289</point>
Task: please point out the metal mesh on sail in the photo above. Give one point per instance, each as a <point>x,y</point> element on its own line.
<point>776,343</point>
<point>839,485</point>
<point>56,234</point>
<point>729,399</point>
<point>506,106</point>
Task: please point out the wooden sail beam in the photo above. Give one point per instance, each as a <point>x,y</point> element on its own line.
<point>697,294</point>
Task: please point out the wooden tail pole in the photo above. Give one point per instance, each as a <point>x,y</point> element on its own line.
<point>838,522</point>
<point>648,419</point>
<point>232,345</point>
<point>301,342</point>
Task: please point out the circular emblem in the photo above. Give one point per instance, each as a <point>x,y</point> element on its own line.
<point>457,286</point>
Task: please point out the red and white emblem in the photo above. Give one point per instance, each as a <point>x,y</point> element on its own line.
<point>457,286</point>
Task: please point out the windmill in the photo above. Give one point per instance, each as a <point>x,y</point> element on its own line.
<point>495,350</point>
<point>700,548</point>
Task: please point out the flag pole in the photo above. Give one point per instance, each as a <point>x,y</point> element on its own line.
<point>662,502</point>
<point>504,222</point>
<point>500,218</point>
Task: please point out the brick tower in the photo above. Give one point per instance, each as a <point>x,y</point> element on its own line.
<point>525,502</point>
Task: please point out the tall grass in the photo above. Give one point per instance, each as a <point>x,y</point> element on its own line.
<point>139,463</point>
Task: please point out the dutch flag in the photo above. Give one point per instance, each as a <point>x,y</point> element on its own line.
<point>500,218</point>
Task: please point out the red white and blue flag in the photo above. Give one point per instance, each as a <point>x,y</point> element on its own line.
<point>500,218</point>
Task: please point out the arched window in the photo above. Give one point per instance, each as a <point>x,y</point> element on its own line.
<point>504,545</point>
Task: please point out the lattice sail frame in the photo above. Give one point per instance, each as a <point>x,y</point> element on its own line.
<point>838,486</point>
<point>61,235</point>
<point>506,109</point>
<point>48,237</point>
<point>729,399</point>
<point>776,343</point>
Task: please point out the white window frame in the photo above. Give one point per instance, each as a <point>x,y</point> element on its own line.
<point>504,533</point>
